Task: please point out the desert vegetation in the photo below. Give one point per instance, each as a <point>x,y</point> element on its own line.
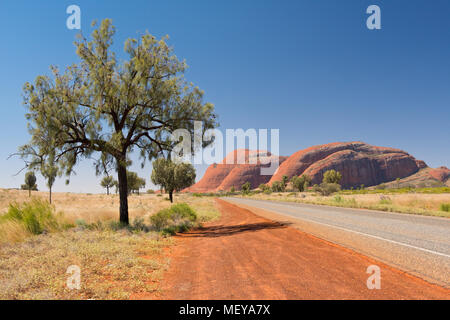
<point>117,261</point>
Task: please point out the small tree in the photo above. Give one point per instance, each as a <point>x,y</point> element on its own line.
<point>108,182</point>
<point>278,186</point>
<point>30,182</point>
<point>135,183</point>
<point>107,106</point>
<point>246,187</point>
<point>332,176</point>
<point>301,183</point>
<point>284,180</point>
<point>172,176</point>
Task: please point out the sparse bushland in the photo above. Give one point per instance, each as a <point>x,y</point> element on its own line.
<point>116,260</point>
<point>105,107</point>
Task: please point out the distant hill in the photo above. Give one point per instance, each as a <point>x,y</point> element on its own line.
<point>358,162</point>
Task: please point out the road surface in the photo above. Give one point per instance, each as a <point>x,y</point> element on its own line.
<point>245,256</point>
<point>419,245</point>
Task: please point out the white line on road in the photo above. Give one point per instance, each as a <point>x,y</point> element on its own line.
<point>366,234</point>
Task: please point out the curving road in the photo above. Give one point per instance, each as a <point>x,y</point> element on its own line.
<point>419,245</point>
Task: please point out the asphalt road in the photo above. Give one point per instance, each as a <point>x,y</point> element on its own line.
<point>419,245</point>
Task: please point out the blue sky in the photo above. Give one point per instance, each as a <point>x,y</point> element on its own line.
<point>310,68</point>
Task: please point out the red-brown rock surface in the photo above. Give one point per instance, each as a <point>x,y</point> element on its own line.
<point>442,173</point>
<point>358,162</point>
<point>236,168</point>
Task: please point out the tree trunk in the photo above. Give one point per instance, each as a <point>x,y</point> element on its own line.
<point>29,192</point>
<point>50,195</point>
<point>123,192</point>
<point>107,191</point>
<point>171,196</point>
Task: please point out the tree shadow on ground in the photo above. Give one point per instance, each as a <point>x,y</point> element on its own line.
<point>221,231</point>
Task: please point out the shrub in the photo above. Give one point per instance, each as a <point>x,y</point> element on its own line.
<point>178,218</point>
<point>338,199</point>
<point>445,207</point>
<point>278,186</point>
<point>150,191</point>
<point>246,188</point>
<point>325,189</point>
<point>332,177</point>
<point>301,183</point>
<point>37,216</point>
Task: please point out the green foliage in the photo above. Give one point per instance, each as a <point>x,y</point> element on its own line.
<point>30,182</point>
<point>278,186</point>
<point>151,191</point>
<point>109,107</point>
<point>301,183</point>
<point>246,188</point>
<point>338,199</point>
<point>332,176</point>
<point>177,218</point>
<point>445,207</point>
<point>325,189</point>
<point>172,176</point>
<point>37,216</point>
<point>108,182</point>
<point>135,183</point>
<point>284,180</point>
<point>233,189</point>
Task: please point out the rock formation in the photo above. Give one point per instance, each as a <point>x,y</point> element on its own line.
<point>358,162</point>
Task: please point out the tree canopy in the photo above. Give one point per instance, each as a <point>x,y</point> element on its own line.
<point>135,183</point>
<point>332,176</point>
<point>107,183</point>
<point>104,106</point>
<point>172,176</point>
<point>30,182</point>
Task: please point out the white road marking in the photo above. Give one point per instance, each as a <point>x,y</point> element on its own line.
<point>364,234</point>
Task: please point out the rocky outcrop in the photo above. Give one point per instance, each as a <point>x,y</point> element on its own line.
<point>236,168</point>
<point>358,162</point>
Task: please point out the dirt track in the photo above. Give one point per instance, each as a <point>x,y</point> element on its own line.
<point>244,256</point>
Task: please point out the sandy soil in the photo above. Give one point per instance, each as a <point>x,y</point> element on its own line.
<point>244,256</point>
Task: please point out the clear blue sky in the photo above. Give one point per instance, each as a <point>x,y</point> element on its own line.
<point>310,68</point>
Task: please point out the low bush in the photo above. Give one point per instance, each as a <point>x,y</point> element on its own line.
<point>445,207</point>
<point>178,218</point>
<point>37,216</point>
<point>325,189</point>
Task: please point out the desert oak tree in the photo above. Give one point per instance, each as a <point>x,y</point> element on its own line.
<point>172,176</point>
<point>101,105</point>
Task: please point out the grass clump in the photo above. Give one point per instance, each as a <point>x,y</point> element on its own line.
<point>445,207</point>
<point>179,217</point>
<point>31,218</point>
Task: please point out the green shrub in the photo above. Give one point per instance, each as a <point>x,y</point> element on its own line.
<point>37,216</point>
<point>178,218</point>
<point>445,207</point>
<point>246,188</point>
<point>325,189</point>
<point>278,186</point>
<point>338,199</point>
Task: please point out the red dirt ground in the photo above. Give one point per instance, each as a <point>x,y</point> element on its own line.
<point>244,256</point>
